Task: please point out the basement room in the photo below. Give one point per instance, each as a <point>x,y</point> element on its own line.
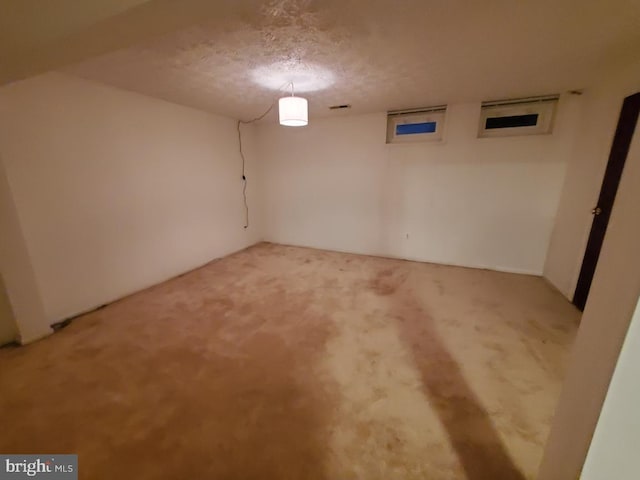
<point>319,239</point>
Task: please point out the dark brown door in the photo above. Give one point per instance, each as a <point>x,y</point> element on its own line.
<point>602,211</point>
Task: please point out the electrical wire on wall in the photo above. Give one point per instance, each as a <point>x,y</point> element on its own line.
<point>244,176</point>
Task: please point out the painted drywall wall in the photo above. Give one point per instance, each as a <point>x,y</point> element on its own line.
<point>116,191</point>
<point>600,108</point>
<point>608,312</point>
<point>8,328</point>
<point>487,203</point>
<point>614,449</point>
<point>17,272</point>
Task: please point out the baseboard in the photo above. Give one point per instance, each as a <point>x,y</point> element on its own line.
<point>519,271</point>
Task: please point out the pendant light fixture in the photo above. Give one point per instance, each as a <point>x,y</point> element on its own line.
<point>293,111</point>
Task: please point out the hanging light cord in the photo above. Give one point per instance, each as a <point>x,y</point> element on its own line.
<point>244,176</point>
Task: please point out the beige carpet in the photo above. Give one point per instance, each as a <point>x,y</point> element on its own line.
<point>290,363</point>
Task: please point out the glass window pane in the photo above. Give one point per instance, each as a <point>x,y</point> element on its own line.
<point>413,128</point>
<point>529,120</point>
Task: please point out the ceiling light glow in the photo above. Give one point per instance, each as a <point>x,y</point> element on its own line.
<point>307,77</point>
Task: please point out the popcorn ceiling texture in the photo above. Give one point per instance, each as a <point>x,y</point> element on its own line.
<point>381,55</point>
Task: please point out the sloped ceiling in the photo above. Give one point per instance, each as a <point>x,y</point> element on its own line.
<point>375,55</point>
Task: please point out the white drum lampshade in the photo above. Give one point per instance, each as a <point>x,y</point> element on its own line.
<point>293,111</point>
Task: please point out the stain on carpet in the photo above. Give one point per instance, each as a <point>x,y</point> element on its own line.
<point>290,363</point>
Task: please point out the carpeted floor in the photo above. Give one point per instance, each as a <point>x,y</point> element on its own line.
<point>291,363</point>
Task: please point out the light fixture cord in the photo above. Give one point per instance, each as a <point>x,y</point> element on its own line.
<point>244,176</point>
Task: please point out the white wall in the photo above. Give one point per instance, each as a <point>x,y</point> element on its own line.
<point>614,449</point>
<point>486,203</point>
<point>605,322</point>
<point>8,328</point>
<point>116,191</point>
<point>16,269</point>
<point>600,109</point>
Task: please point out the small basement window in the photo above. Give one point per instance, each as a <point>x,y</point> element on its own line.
<point>423,125</point>
<point>413,128</point>
<point>528,116</point>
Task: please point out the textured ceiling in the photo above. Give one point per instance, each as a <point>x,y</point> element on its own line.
<point>375,55</point>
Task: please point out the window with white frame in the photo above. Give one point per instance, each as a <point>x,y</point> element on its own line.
<point>421,125</point>
<point>528,116</point>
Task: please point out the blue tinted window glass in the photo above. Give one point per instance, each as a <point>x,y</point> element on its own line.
<point>413,128</point>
